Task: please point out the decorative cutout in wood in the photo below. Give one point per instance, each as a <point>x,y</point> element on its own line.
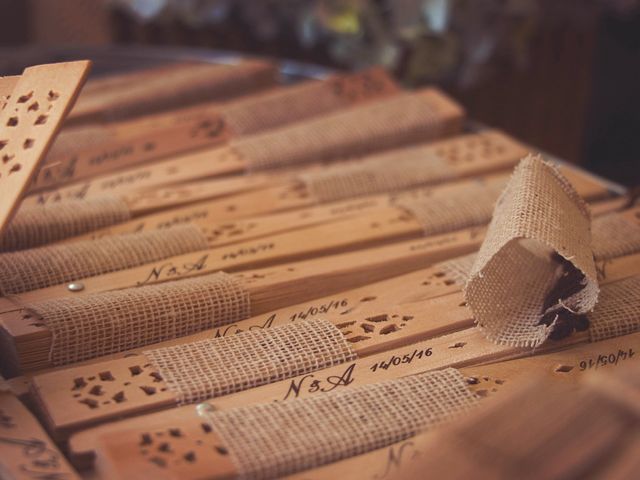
<point>190,448</point>
<point>6,88</point>
<point>29,122</point>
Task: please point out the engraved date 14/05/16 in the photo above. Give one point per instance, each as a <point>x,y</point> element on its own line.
<point>396,360</point>
<point>603,360</point>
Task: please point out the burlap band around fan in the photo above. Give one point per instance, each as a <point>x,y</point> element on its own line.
<point>615,236</point>
<point>387,172</point>
<point>276,439</point>
<point>458,269</point>
<point>403,119</point>
<point>471,207</point>
<point>296,103</point>
<point>618,310</point>
<point>34,226</point>
<point>99,324</point>
<point>42,267</point>
<point>538,216</point>
<point>219,366</point>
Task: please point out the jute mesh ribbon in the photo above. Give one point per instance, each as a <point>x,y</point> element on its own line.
<point>387,172</point>
<point>538,214</point>
<point>71,141</point>
<point>220,366</point>
<point>277,439</point>
<point>299,102</point>
<point>614,236</point>
<point>34,226</point>
<point>457,269</point>
<point>52,265</point>
<point>402,119</point>
<point>472,206</point>
<point>618,310</point>
<point>98,324</point>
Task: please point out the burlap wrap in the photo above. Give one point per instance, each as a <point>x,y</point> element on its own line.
<point>71,141</point>
<point>386,172</point>
<point>89,326</point>
<point>618,310</point>
<point>52,265</point>
<point>277,439</point>
<point>403,119</point>
<point>614,236</point>
<point>308,99</point>
<point>220,366</point>
<point>472,206</point>
<point>34,226</point>
<point>539,213</point>
<point>457,269</point>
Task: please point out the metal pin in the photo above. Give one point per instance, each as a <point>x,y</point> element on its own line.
<point>75,287</point>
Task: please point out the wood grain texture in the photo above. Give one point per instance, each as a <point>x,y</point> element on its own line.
<point>499,383</point>
<point>6,88</point>
<point>446,121</point>
<point>29,122</point>
<point>489,382</point>
<point>375,319</point>
<point>26,451</point>
<point>100,149</point>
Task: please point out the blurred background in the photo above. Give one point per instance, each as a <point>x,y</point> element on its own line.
<point>563,75</point>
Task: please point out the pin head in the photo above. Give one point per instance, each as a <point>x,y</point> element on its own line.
<point>75,287</point>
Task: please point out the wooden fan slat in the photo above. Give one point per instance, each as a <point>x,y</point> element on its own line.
<point>31,118</point>
<point>26,451</point>
<point>396,303</point>
<point>493,381</point>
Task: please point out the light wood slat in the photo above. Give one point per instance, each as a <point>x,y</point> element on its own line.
<point>226,160</point>
<point>377,226</point>
<point>26,451</point>
<point>538,375</point>
<point>27,343</point>
<point>284,191</point>
<point>99,149</point>
<point>375,318</point>
<point>7,85</point>
<point>494,380</point>
<point>39,103</point>
<point>177,86</point>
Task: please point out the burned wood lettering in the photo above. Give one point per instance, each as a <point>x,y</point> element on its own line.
<point>314,310</point>
<point>128,179</point>
<point>242,252</point>
<point>51,173</point>
<point>211,128</point>
<point>78,193</point>
<point>311,384</point>
<point>40,461</point>
<point>353,207</point>
<point>357,87</point>
<point>182,219</point>
<point>603,360</point>
<point>396,360</point>
<point>233,329</point>
<point>396,457</point>
<point>171,270</point>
